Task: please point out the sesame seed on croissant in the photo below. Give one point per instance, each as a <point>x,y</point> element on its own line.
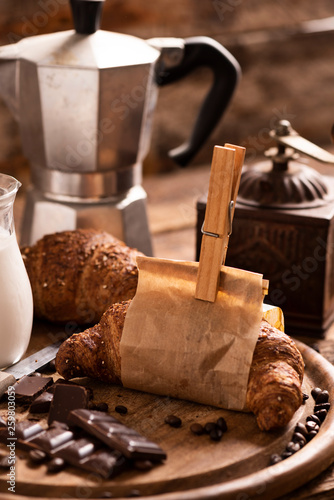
<point>76,275</point>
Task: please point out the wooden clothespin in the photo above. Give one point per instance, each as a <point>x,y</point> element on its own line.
<point>224,183</point>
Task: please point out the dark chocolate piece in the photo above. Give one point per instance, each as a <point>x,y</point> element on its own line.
<point>28,388</point>
<point>116,435</point>
<point>58,442</point>
<point>24,431</point>
<point>84,453</point>
<point>42,403</point>
<point>52,438</point>
<point>89,454</point>
<point>67,397</point>
<point>106,463</point>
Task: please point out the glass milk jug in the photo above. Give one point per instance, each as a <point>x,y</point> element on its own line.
<point>16,302</point>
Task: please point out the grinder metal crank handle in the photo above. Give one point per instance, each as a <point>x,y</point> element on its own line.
<point>201,51</point>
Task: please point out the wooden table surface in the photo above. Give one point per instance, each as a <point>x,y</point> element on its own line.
<point>172,216</point>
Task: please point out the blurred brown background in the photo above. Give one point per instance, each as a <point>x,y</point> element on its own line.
<point>285,49</point>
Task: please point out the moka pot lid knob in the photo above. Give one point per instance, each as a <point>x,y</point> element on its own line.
<point>86,15</point>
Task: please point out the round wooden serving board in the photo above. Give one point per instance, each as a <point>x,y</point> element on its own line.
<point>196,467</point>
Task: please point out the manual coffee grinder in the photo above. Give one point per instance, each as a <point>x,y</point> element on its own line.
<point>283,227</point>
<point>84,101</point>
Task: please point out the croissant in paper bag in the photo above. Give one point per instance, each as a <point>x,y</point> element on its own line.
<point>274,388</point>
<point>76,275</point>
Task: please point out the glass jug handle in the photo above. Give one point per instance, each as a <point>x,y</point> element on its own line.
<point>203,51</point>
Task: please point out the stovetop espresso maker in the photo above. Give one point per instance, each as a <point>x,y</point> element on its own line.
<point>84,101</point>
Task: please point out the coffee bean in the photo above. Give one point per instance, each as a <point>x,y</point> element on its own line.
<point>305,397</point>
<point>275,458</point>
<point>312,426</point>
<point>216,434</point>
<point>98,406</point>
<point>210,426</point>
<point>55,465</point>
<point>293,447</point>
<point>197,429</point>
<point>313,418</point>
<point>315,392</point>
<point>134,493</point>
<point>106,494</point>
<point>299,438</point>
<point>301,429</point>
<point>143,465</point>
<point>311,435</point>
<point>322,406</point>
<point>221,422</point>
<point>37,456</point>
<point>121,409</point>
<point>173,421</point>
<point>323,397</point>
<point>321,414</point>
<point>286,454</point>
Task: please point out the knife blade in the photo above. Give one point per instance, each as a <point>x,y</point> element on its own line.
<point>27,366</point>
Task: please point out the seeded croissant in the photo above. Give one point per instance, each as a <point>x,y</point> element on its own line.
<point>76,275</point>
<point>274,388</point>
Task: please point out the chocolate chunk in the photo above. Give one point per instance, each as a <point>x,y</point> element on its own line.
<point>52,438</point>
<point>116,435</point>
<point>67,398</point>
<point>106,463</point>
<point>59,442</point>
<point>28,388</point>
<point>42,403</point>
<point>24,431</point>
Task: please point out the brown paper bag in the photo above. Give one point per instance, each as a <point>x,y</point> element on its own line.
<point>175,345</point>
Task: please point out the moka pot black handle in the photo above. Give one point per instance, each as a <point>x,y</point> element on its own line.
<point>201,51</point>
